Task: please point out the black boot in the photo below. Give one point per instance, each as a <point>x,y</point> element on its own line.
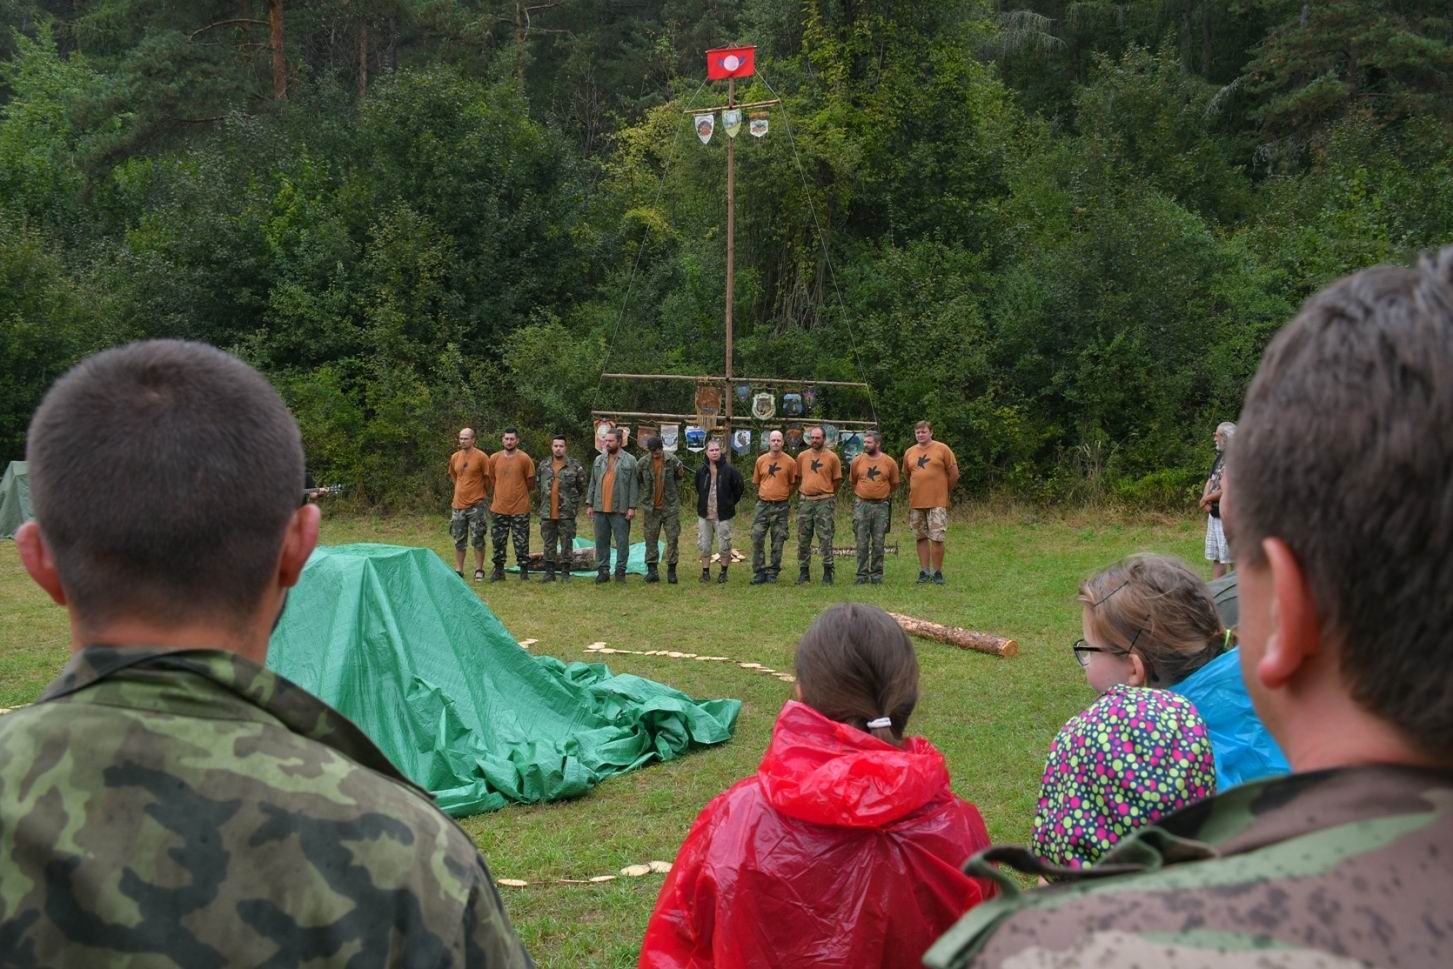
<point>827,574</point>
<point>498,574</point>
<point>671,574</point>
<point>651,573</point>
<point>804,576</point>
<point>722,578</point>
<point>861,580</point>
<point>759,578</point>
<point>602,577</point>
<point>549,572</point>
<point>524,572</point>
<point>706,574</point>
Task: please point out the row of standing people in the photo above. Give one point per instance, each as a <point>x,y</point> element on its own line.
<point>168,800</point>
<point>498,487</point>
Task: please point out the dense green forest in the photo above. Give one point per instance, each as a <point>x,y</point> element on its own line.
<point>1062,231</point>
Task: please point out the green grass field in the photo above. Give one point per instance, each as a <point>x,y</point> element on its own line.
<point>1009,572</point>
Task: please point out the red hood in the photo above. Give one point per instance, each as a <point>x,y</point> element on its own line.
<point>826,772</point>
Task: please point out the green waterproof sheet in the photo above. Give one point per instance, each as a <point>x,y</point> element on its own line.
<point>392,638</point>
<point>15,498</point>
<point>635,557</point>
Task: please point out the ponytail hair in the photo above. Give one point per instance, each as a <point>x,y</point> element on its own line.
<point>857,666</point>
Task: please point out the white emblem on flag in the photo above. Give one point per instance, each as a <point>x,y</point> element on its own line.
<point>731,62</point>
<point>757,127</point>
<point>705,125</point>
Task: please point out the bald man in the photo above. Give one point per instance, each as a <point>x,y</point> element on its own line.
<point>469,518</point>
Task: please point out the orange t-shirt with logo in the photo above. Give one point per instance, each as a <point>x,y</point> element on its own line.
<point>931,472</point>
<point>873,478</point>
<point>819,473</point>
<point>471,474</point>
<point>774,485</point>
<point>514,478</point>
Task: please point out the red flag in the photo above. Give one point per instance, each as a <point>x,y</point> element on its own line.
<point>725,62</point>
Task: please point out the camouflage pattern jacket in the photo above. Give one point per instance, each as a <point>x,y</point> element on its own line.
<point>673,472</point>
<point>1335,868</point>
<point>573,482</point>
<point>191,809</point>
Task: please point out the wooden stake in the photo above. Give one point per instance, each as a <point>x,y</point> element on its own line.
<point>957,636</point>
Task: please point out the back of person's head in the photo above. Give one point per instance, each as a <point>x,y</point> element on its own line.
<point>1130,758</point>
<point>163,476</point>
<point>1158,609</point>
<point>1344,452</point>
<point>856,665</point>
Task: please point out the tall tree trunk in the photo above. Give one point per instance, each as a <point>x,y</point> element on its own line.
<point>1207,47</point>
<point>279,61</point>
<point>362,58</point>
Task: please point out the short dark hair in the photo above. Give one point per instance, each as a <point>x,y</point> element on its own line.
<point>1344,450</point>
<point>174,504</point>
<point>619,433</point>
<point>855,664</point>
<point>557,437</point>
<point>653,443</point>
<point>509,430</point>
<point>875,434</point>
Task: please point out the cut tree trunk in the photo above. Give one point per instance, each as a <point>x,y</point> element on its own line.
<point>957,636</point>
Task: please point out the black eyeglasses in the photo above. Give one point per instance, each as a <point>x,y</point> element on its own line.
<point>1083,650</point>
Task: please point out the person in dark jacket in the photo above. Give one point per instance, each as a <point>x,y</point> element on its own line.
<point>719,487</point>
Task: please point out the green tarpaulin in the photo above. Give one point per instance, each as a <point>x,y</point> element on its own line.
<point>14,499</point>
<point>392,638</point>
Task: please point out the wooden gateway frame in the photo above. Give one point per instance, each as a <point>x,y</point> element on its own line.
<point>723,423</point>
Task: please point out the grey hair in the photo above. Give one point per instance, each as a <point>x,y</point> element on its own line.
<point>1228,428</point>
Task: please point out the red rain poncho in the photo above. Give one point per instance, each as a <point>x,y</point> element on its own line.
<point>843,851</point>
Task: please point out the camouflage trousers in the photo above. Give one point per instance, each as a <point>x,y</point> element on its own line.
<point>870,527</point>
<point>770,515</point>
<point>469,524</point>
<point>558,534</point>
<point>505,527</point>
<point>654,522</point>
<point>815,515</point>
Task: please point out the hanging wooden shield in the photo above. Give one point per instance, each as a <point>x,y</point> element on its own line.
<point>794,437</point>
<point>695,438</point>
<point>757,126</point>
<point>708,400</point>
<point>731,122</point>
<point>764,406</point>
<point>670,437</point>
<point>602,428</point>
<point>741,442</point>
<point>705,125</point>
<point>644,432</point>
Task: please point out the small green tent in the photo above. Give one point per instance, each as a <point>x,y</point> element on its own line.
<point>14,498</point>
<point>394,640</point>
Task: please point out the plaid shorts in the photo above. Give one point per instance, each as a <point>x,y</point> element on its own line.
<point>1217,548</point>
<point>929,523</point>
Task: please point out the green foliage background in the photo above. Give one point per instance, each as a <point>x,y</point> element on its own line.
<point>1062,231</point>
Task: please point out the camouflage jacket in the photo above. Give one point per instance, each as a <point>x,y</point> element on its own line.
<point>191,809</point>
<point>1336,868</point>
<point>673,474</point>
<point>573,482</point>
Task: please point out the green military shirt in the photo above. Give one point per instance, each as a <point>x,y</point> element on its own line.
<point>573,482</point>
<point>1335,869</point>
<point>190,809</point>
<point>672,473</point>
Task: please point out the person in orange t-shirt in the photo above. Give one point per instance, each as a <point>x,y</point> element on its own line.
<point>514,478</point>
<point>819,473</point>
<point>774,477</point>
<point>931,471</point>
<point>874,476</point>
<point>469,516</point>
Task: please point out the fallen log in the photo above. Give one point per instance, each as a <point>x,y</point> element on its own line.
<point>582,560</point>
<point>957,636</point>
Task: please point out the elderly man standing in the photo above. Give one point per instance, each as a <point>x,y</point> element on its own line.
<point>774,476</point>
<point>562,483</point>
<point>819,473</point>
<point>611,501</point>
<point>1218,550</point>
<point>1344,649</point>
<point>660,490</point>
<point>469,467</point>
<point>874,476</point>
<point>931,471</point>
<point>169,801</point>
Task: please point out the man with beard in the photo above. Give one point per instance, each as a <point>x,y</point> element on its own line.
<point>562,483</point>
<point>660,489</point>
<point>774,476</point>
<point>819,473</point>
<point>514,478</point>
<point>874,475</point>
<point>611,502</point>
